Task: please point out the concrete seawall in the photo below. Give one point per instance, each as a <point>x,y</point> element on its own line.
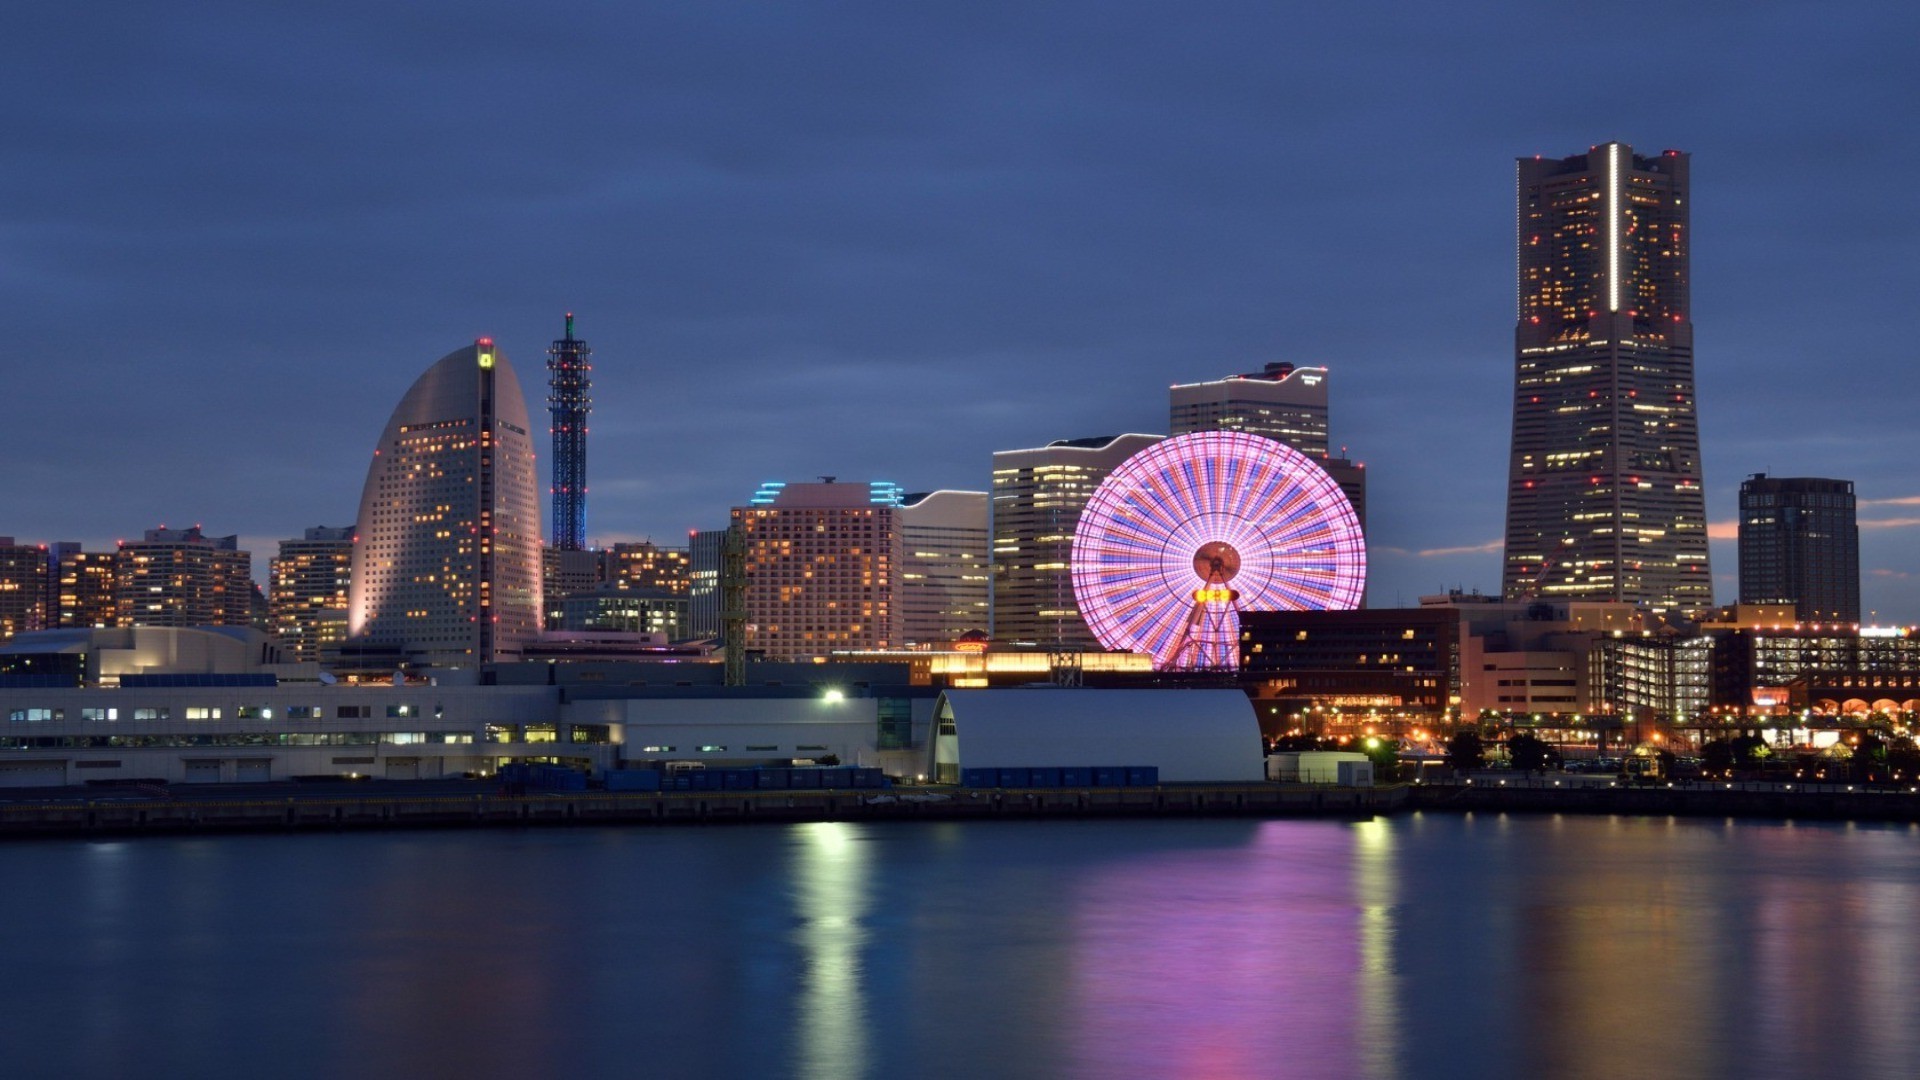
<point>1817,802</point>
<point>185,814</point>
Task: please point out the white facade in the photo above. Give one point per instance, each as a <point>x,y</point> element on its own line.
<point>1191,736</point>
<point>446,563</point>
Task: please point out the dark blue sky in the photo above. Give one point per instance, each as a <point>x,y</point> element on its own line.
<point>881,240</point>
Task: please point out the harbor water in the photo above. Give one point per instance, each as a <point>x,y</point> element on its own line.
<point>1425,945</point>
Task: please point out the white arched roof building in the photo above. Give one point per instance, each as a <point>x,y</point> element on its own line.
<point>1192,736</point>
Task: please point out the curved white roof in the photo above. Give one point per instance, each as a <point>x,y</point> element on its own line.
<point>1191,735</point>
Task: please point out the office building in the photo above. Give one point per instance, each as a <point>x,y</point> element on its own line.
<point>822,566</point>
<point>945,573</point>
<point>646,565</point>
<point>632,610</point>
<point>446,566</point>
<point>569,400</point>
<point>310,581</point>
<point>181,577</point>
<point>563,573</point>
<point>24,593</point>
<point>704,551</point>
<point>1038,495</point>
<point>1604,497</point>
<point>1285,403</point>
<point>1800,545</point>
<point>82,586</point>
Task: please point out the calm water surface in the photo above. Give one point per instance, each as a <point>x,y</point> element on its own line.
<point>1424,946</point>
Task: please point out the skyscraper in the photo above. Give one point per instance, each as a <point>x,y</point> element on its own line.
<point>944,571</point>
<point>1800,545</point>
<point>180,577</point>
<point>822,564</point>
<point>1037,498</point>
<point>569,400</point>
<point>309,583</point>
<point>24,588</point>
<point>1285,403</point>
<point>1604,497</point>
<point>446,563</point>
<point>83,586</point>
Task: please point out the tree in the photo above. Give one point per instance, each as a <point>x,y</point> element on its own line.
<point>1530,753</point>
<point>1716,757</point>
<point>1385,755</point>
<point>1465,752</point>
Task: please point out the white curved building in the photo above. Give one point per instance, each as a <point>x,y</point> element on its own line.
<point>446,563</point>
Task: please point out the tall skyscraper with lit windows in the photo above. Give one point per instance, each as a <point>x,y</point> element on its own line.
<point>1800,545</point>
<point>446,562</point>
<point>1604,495</point>
<point>182,577</point>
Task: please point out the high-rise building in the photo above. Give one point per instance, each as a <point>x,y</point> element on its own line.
<point>1281,401</point>
<point>24,593</point>
<point>82,586</point>
<point>1800,545</point>
<point>1285,403</point>
<point>705,549</point>
<point>1604,498</point>
<point>646,565</point>
<point>1038,495</point>
<point>563,573</point>
<point>181,577</point>
<point>569,400</point>
<point>822,565</point>
<point>446,563</point>
<point>310,582</point>
<point>945,570</point>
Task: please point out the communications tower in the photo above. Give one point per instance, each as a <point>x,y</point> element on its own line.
<point>569,383</point>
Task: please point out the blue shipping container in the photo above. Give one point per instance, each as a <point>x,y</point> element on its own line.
<point>1076,777</point>
<point>1043,777</point>
<point>1013,778</point>
<point>1109,776</point>
<point>803,778</point>
<point>1143,775</point>
<point>769,779</point>
<point>633,780</point>
<point>979,777</point>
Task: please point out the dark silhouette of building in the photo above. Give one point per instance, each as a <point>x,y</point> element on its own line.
<point>1800,545</point>
<point>1604,496</point>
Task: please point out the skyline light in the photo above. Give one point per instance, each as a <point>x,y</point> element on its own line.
<point>984,231</point>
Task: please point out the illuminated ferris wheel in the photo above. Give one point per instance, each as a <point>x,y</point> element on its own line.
<point>1191,531</point>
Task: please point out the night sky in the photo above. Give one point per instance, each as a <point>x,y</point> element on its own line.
<point>880,240</point>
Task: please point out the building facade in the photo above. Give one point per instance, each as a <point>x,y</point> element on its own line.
<point>1800,545</point>
<point>82,586</point>
<point>1038,495</point>
<point>446,564</point>
<point>309,583</point>
<point>822,566</point>
<point>1604,493</point>
<point>181,577</point>
<point>945,573</point>
<point>1282,402</point>
<point>25,596</point>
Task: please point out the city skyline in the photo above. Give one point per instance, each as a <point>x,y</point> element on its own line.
<point>908,267</point>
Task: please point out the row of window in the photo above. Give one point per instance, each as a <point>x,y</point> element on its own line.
<point>110,714</point>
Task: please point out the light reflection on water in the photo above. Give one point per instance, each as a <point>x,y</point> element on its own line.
<point>1413,947</point>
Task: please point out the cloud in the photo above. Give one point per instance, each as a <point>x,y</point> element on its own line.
<point>1891,523</point>
<point>1900,500</point>
<point>1883,572</point>
<point>1488,547</point>
<point>1723,530</point>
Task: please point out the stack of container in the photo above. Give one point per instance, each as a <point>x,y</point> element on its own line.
<point>1063,777</point>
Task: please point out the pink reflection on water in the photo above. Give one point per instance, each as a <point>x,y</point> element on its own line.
<point>1231,962</point>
